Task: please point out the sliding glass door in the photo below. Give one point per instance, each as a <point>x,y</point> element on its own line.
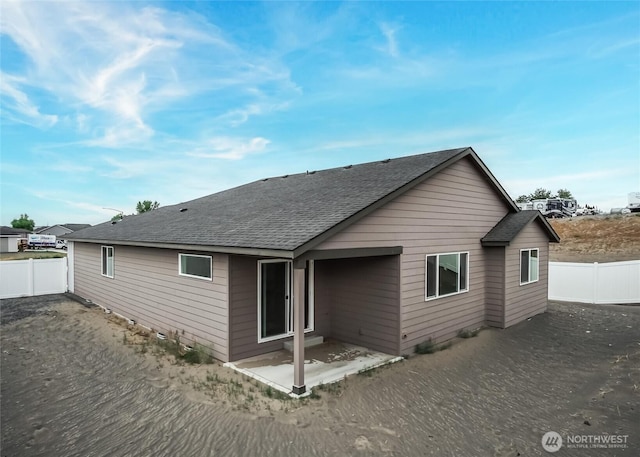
<point>275,284</point>
<point>275,293</point>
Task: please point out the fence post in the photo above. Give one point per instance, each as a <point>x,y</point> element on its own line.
<point>31,278</point>
<point>595,283</point>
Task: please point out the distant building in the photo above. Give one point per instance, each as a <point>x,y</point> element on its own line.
<point>9,237</point>
<point>61,230</point>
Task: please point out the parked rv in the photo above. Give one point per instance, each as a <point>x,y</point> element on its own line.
<point>634,202</point>
<point>552,207</point>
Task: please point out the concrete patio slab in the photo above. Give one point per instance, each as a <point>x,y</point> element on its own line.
<point>324,364</point>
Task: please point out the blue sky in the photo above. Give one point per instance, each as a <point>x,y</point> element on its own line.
<point>108,103</point>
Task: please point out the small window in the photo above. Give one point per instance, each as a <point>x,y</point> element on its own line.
<point>107,261</point>
<point>195,266</point>
<point>529,266</point>
<point>446,274</point>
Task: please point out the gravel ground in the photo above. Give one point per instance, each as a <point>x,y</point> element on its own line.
<point>74,382</point>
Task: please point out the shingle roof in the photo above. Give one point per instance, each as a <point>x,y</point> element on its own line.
<point>281,213</point>
<point>74,227</point>
<point>5,230</point>
<point>508,228</point>
<point>71,227</point>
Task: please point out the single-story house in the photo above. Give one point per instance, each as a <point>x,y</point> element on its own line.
<point>9,237</point>
<point>385,255</point>
<point>61,230</point>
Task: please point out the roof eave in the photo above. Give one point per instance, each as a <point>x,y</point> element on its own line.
<point>494,243</point>
<point>553,235</point>
<point>259,252</point>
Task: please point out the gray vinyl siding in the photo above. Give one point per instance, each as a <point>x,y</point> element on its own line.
<point>495,277</point>
<point>362,296</point>
<point>449,212</point>
<point>147,288</point>
<point>243,318</point>
<point>522,302</point>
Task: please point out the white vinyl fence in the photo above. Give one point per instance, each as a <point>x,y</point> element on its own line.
<point>26,278</point>
<point>600,283</point>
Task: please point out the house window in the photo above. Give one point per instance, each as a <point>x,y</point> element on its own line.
<point>107,261</point>
<point>195,266</point>
<point>446,274</point>
<point>529,266</point>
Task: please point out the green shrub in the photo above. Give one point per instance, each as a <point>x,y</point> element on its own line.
<point>468,333</point>
<point>191,357</point>
<point>426,347</point>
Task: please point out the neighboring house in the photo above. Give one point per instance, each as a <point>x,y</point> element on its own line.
<point>60,231</point>
<point>385,255</point>
<point>9,237</point>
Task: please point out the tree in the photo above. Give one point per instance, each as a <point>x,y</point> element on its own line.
<point>564,193</point>
<point>522,199</point>
<point>117,217</point>
<point>540,194</point>
<point>146,205</point>
<point>23,223</point>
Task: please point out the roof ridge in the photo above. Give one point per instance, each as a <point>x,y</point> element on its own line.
<point>359,165</point>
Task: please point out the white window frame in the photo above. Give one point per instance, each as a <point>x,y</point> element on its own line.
<point>104,273</point>
<point>426,279</point>
<point>537,265</point>
<point>289,311</point>
<point>205,278</point>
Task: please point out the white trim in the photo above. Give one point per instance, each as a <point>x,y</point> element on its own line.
<point>113,262</point>
<point>311,297</point>
<point>289,301</point>
<point>537,266</point>
<point>206,278</point>
<point>70,267</point>
<point>437,256</point>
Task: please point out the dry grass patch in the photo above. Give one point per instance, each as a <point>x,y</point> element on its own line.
<point>597,239</point>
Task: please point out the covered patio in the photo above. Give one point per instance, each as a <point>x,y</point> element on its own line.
<point>350,296</point>
<point>324,363</point>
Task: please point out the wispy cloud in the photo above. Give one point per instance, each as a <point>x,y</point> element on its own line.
<point>230,148</point>
<point>566,179</point>
<point>125,168</point>
<point>404,143</point>
<point>239,116</point>
<point>605,49</point>
<point>389,32</point>
<point>118,65</point>
<point>19,104</point>
<point>71,201</point>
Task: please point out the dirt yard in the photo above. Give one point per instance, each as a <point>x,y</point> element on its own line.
<point>597,238</point>
<point>76,382</point>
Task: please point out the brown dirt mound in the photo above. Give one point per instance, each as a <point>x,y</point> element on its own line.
<point>597,239</point>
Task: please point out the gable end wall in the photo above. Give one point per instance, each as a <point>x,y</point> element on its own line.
<point>450,212</point>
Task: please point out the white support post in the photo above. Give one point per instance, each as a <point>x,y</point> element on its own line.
<point>298,331</point>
